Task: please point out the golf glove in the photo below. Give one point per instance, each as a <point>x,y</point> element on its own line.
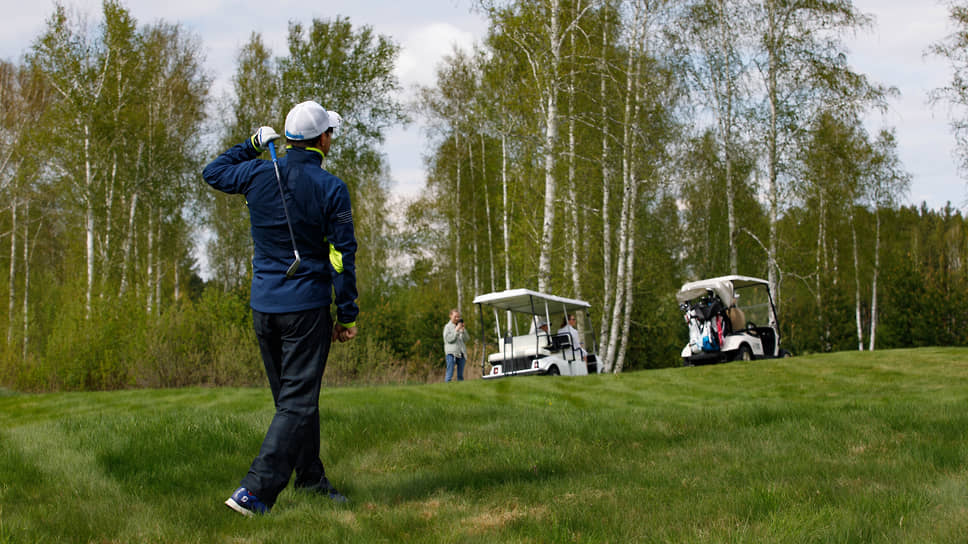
<point>262,137</point>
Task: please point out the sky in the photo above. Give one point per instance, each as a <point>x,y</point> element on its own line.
<point>892,53</point>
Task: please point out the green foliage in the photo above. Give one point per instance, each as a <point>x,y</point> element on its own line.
<point>255,103</point>
<point>954,49</point>
<point>409,324</point>
<point>842,447</point>
<point>207,342</point>
<point>107,211</point>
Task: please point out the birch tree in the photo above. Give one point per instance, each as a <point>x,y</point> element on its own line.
<point>832,165</point>
<point>76,67</point>
<point>798,52</point>
<point>650,95</point>
<point>23,99</point>
<point>127,103</point>
<point>714,34</point>
<point>504,107</point>
<point>252,106</point>
<point>636,49</point>
<point>954,48</point>
<point>539,30</point>
<point>445,106</point>
<point>888,183</point>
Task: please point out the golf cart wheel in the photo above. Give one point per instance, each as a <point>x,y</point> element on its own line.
<point>553,370</point>
<point>784,354</point>
<point>744,354</point>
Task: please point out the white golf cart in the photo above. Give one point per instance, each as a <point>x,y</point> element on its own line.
<point>730,318</point>
<point>542,350</point>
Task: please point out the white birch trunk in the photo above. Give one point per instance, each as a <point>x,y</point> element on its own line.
<point>606,215</point>
<point>623,229</point>
<point>505,218</point>
<point>618,306</point>
<point>773,189</point>
<point>455,207</point>
<point>726,127</point>
<point>629,292</point>
<point>26,289</point>
<point>821,271</point>
<point>128,243</point>
<point>88,221</point>
<point>13,271</point>
<point>487,216</point>
<point>475,259</point>
<point>108,222</point>
<point>150,267</point>
<point>551,142</point>
<point>158,267</point>
<point>631,205</point>
<point>572,237</point>
<point>857,308</point>
<point>877,268</point>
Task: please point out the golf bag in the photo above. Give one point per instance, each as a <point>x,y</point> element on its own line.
<point>705,319</point>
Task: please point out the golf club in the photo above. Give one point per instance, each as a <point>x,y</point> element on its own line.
<point>275,163</point>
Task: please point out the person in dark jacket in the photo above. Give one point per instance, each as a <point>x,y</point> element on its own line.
<point>311,235</point>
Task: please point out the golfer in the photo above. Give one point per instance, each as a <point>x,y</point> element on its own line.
<point>291,315</point>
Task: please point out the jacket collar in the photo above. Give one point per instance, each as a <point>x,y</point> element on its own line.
<point>305,154</point>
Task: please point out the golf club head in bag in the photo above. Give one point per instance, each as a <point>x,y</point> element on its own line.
<point>275,164</point>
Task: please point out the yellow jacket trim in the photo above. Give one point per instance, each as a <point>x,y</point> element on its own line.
<point>336,259</point>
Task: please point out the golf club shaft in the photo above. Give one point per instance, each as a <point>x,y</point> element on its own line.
<point>285,209</point>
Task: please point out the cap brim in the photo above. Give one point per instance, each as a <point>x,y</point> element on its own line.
<point>335,120</point>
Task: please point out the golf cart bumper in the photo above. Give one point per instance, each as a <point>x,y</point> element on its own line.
<point>703,357</point>
<point>497,371</point>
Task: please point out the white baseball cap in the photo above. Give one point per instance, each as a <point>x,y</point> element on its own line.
<point>307,120</point>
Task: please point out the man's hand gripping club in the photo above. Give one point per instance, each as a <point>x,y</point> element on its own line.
<point>262,137</point>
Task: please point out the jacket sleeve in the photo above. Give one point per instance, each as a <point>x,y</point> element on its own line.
<point>231,172</point>
<point>450,333</point>
<point>342,256</point>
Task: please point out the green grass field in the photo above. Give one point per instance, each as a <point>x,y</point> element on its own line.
<point>848,447</point>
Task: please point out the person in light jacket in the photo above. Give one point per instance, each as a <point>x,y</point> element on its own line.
<point>568,327</point>
<point>455,345</point>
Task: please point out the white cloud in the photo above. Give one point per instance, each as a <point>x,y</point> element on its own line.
<point>423,48</point>
<point>894,53</point>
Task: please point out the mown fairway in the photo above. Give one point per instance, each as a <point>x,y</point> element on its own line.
<point>836,448</point>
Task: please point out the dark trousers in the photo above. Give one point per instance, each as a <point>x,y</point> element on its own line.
<point>294,349</point>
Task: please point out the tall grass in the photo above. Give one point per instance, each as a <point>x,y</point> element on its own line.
<point>853,447</point>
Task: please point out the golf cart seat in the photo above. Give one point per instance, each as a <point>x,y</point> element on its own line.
<point>526,345</point>
<point>560,342</point>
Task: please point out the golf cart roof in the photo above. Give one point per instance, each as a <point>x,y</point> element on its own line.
<point>722,286</point>
<point>526,301</point>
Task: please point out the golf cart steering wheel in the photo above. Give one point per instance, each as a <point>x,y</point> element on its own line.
<point>750,325</point>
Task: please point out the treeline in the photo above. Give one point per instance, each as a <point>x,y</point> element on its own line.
<point>606,150</point>
<point>612,150</point>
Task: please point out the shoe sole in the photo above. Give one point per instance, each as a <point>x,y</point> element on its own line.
<point>238,507</point>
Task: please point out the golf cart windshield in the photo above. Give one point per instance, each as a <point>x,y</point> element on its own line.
<point>754,301</point>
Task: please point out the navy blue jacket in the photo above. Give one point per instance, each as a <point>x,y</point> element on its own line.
<point>322,220</point>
